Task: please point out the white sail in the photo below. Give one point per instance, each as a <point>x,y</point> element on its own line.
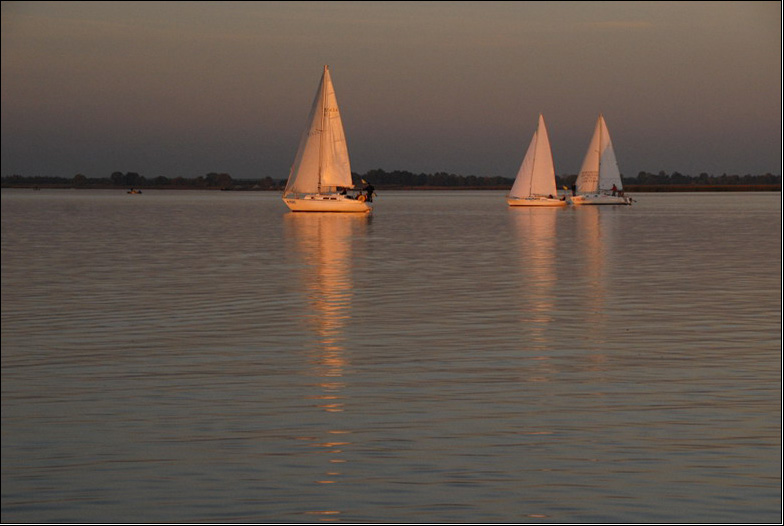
<point>322,161</point>
<point>536,176</point>
<point>599,171</point>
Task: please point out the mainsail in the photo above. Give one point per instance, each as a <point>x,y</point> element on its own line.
<point>599,171</point>
<point>536,176</point>
<point>322,161</point>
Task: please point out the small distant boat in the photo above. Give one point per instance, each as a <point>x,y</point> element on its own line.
<point>599,180</point>
<point>320,178</point>
<point>134,191</point>
<point>535,181</point>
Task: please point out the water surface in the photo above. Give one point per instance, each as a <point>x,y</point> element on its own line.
<point>210,356</point>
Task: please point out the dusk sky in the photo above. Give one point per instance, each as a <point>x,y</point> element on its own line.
<point>181,89</point>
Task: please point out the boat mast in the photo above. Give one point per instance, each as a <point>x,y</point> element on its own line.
<point>599,164</point>
<point>533,164</point>
<point>323,119</point>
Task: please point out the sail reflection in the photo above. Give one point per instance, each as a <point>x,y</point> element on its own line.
<point>535,228</point>
<point>324,244</point>
<point>592,239</point>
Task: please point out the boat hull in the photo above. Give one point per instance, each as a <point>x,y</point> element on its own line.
<point>327,203</point>
<point>600,199</point>
<point>535,201</point>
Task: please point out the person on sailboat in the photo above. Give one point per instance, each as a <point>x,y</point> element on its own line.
<point>614,190</point>
<point>369,189</point>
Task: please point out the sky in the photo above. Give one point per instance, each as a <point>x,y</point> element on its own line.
<point>181,89</point>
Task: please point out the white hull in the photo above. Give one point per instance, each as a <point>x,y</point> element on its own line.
<point>535,201</point>
<point>327,203</point>
<point>600,199</point>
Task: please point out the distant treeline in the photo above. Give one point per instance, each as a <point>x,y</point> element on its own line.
<point>398,179</point>
<point>402,179</point>
<point>211,181</point>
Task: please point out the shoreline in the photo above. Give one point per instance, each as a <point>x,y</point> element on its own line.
<point>627,188</point>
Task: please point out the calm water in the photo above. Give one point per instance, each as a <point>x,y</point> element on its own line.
<point>209,356</point>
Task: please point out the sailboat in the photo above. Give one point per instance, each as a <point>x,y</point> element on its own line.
<point>599,180</point>
<point>535,181</point>
<point>320,178</point>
